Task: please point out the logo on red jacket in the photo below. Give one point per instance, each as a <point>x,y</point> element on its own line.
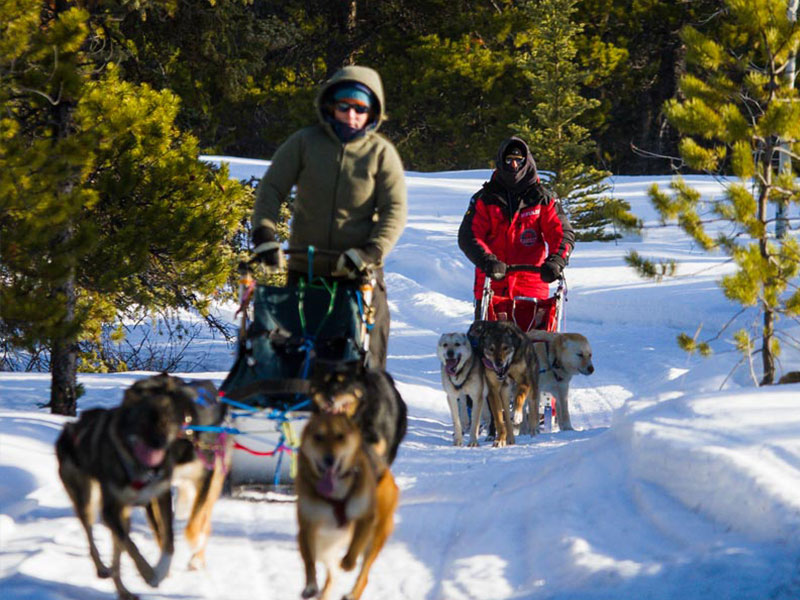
<point>530,212</point>
<point>528,237</point>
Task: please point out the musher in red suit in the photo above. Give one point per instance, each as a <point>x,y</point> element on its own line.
<point>515,220</point>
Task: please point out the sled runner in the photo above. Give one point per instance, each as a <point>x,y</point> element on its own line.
<point>292,328</point>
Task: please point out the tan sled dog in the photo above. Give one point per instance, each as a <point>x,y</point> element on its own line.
<point>344,510</point>
<point>462,380</point>
<point>511,370</point>
<point>560,356</point>
<point>202,468</point>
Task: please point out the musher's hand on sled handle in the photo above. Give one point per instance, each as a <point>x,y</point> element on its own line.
<point>267,250</point>
<point>355,263</point>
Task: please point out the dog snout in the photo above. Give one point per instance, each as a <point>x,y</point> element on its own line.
<point>590,369</point>
<point>328,460</point>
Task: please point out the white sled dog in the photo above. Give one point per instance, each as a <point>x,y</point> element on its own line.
<point>560,355</point>
<point>462,380</point>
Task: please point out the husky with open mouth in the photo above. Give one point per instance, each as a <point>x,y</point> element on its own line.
<point>462,380</point>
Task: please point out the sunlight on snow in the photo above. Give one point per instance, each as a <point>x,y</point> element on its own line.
<point>594,562</point>
<point>481,576</point>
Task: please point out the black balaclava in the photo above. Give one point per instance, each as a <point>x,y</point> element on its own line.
<point>525,176</point>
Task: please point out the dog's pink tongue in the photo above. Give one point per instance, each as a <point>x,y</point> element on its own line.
<point>326,483</point>
<point>450,366</point>
<point>150,457</point>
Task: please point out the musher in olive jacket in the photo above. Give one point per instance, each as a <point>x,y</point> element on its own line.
<point>350,192</point>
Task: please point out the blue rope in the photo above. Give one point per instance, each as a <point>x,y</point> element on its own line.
<point>241,405</point>
<point>214,428</point>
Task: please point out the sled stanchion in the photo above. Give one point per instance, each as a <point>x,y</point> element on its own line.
<point>486,298</point>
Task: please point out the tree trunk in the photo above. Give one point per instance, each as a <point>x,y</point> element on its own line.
<point>767,359</point>
<point>64,349</point>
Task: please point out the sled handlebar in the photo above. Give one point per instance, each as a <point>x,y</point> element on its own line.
<point>523,268</point>
<point>304,250</point>
<point>247,265</point>
<point>520,269</point>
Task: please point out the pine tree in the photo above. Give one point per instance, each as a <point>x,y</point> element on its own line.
<point>736,106</point>
<point>553,128</point>
<point>103,202</point>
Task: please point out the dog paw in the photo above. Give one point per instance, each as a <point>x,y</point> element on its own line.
<point>103,572</point>
<point>197,563</point>
<point>458,442</point>
<point>499,444</point>
<point>149,575</point>
<point>159,573</point>
<point>348,562</point>
<point>310,590</point>
<point>474,444</point>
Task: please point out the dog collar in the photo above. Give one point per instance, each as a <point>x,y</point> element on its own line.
<point>552,363</point>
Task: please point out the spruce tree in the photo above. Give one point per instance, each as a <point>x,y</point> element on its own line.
<point>103,203</point>
<point>735,108</point>
<point>553,127</point>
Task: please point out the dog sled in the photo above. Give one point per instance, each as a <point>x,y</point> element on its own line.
<point>283,333</point>
<point>528,313</point>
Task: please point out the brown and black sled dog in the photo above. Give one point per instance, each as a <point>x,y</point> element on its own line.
<point>511,374</point>
<point>111,460</point>
<point>345,503</point>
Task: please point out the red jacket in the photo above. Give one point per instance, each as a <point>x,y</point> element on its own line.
<point>535,230</point>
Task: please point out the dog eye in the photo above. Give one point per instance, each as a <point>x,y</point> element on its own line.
<point>318,437</point>
<point>339,437</point>
<point>457,345</point>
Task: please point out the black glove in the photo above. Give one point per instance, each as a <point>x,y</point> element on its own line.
<point>495,269</point>
<point>551,268</point>
<point>354,262</point>
<point>267,249</point>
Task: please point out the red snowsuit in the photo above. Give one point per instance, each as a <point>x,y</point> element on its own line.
<point>522,226</point>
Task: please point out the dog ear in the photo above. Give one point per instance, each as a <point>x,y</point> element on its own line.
<point>475,331</point>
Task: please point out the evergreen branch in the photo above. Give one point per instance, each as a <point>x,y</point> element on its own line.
<point>781,149</point>
<point>726,325</point>
<point>647,154</point>
<point>46,96</point>
<point>788,338</point>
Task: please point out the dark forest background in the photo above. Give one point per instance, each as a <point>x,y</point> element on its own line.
<point>457,73</point>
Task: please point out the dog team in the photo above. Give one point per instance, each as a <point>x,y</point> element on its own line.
<point>163,435</point>
<point>511,370</point>
<point>168,433</point>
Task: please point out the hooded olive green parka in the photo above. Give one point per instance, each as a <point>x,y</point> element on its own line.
<point>348,195</point>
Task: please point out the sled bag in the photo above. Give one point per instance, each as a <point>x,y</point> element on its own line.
<point>292,327</point>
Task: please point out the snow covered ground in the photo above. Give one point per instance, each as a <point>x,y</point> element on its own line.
<point>682,480</point>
